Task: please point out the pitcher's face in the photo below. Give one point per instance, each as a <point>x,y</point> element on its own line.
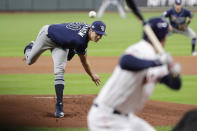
<point>93,36</point>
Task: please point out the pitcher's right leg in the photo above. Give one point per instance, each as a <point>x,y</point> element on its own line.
<point>35,49</point>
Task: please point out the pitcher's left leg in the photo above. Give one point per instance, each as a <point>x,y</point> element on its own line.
<point>59,58</point>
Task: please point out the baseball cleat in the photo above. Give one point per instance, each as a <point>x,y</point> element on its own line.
<point>194,53</point>
<point>59,115</point>
<point>29,46</point>
<point>59,110</point>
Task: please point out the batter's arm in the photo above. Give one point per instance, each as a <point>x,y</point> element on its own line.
<point>132,63</point>
<point>172,82</point>
<point>86,66</point>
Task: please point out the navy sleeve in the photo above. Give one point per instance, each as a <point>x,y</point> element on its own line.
<point>132,63</point>
<point>172,82</point>
<point>189,13</point>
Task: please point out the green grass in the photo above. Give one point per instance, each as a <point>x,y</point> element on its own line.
<point>29,84</point>
<point>18,29</point>
<point>44,84</point>
<point>187,94</point>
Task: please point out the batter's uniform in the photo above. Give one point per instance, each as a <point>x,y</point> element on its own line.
<point>177,20</point>
<point>64,40</point>
<point>126,91</point>
<point>106,3</point>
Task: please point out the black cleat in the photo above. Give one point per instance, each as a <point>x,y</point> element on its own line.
<point>59,110</point>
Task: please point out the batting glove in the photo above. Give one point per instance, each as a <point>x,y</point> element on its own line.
<point>175,69</point>
<point>165,58</point>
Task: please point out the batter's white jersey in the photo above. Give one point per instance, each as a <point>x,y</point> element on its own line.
<point>126,92</point>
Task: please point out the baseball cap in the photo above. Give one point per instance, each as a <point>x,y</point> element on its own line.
<point>99,27</point>
<point>178,2</point>
<point>159,26</point>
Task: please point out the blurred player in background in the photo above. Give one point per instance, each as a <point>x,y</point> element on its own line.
<point>131,84</point>
<point>106,3</point>
<point>64,40</point>
<point>178,24</point>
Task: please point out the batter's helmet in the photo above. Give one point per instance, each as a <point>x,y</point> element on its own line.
<point>159,27</point>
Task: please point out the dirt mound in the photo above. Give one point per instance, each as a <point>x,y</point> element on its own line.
<point>38,111</point>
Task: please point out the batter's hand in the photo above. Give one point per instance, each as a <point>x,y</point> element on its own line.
<point>96,79</point>
<point>165,58</point>
<point>175,69</point>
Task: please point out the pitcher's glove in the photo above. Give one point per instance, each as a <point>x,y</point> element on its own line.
<point>182,27</point>
<point>71,53</point>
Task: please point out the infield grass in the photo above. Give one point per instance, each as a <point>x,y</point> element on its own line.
<point>18,29</point>
<point>33,84</point>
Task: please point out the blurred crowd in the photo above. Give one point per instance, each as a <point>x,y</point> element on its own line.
<point>153,3</point>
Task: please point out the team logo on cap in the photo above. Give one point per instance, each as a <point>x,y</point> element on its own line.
<point>162,25</point>
<point>102,28</point>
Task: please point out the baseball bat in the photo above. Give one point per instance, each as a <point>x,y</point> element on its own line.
<point>131,4</point>
<point>151,35</point>
<point>147,28</point>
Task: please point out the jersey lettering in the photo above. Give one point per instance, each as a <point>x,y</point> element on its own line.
<point>84,30</point>
<point>162,25</point>
<point>178,20</point>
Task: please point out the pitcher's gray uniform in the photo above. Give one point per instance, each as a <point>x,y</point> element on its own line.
<point>64,40</point>
<point>130,85</point>
<point>177,16</point>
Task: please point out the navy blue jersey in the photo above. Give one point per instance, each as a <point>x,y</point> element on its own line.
<point>70,35</point>
<point>177,18</point>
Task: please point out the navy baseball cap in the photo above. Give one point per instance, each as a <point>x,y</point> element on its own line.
<point>99,27</point>
<point>159,26</point>
<point>178,2</point>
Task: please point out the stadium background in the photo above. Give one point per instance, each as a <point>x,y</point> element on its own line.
<point>74,5</point>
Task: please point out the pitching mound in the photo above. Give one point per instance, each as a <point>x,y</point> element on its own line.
<point>38,111</point>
